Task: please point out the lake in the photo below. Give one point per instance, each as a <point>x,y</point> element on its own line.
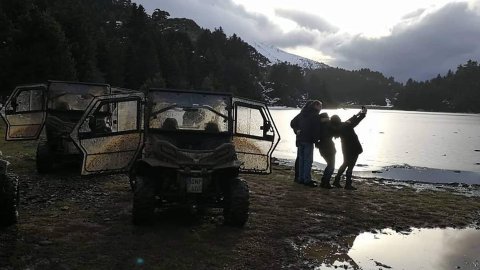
<point>402,145</point>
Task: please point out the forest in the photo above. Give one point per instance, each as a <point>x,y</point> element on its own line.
<point>119,43</point>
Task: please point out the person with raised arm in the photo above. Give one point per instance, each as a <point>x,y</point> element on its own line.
<point>351,147</point>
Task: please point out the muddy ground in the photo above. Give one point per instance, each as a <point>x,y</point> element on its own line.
<point>69,222</point>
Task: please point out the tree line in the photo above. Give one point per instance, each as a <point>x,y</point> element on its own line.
<point>457,91</point>
<point>117,42</point>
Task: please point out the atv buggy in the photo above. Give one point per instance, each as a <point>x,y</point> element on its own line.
<point>9,196</point>
<point>57,105</point>
<point>180,147</point>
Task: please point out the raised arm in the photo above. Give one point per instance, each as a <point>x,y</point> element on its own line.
<point>356,119</point>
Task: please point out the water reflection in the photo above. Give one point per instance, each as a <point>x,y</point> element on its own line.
<point>420,249</point>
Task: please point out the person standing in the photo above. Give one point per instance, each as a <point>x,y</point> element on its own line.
<point>292,123</point>
<point>327,149</point>
<point>351,147</point>
<point>304,126</point>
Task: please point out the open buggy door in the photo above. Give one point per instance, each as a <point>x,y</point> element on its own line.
<point>110,133</point>
<point>25,112</point>
<point>255,136</point>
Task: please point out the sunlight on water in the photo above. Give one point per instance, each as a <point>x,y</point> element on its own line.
<point>389,138</point>
<point>420,249</point>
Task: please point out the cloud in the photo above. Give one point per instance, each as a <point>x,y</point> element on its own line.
<point>425,43</point>
<point>307,20</point>
<point>415,14</point>
<point>419,50</point>
<point>212,14</point>
<point>234,18</point>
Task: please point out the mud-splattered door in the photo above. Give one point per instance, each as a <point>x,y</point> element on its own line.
<point>110,133</point>
<point>24,112</point>
<point>255,135</point>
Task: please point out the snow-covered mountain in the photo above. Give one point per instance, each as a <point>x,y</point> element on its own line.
<point>275,55</point>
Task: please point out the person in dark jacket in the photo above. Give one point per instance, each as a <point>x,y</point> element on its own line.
<point>304,126</point>
<point>297,171</point>
<point>351,147</point>
<point>327,149</point>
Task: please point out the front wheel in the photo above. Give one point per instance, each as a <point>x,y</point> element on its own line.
<point>8,200</point>
<point>143,201</point>
<point>235,211</point>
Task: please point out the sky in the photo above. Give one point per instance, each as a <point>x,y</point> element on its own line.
<point>416,39</point>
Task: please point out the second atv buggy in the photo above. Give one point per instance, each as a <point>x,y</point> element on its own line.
<point>181,147</point>
<point>59,106</point>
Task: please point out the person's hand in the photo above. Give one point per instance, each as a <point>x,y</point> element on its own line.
<point>363,110</point>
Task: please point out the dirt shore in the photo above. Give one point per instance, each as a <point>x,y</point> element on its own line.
<point>69,222</point>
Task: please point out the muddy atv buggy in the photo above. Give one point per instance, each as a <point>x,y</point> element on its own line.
<point>9,196</point>
<point>57,105</point>
<point>182,148</point>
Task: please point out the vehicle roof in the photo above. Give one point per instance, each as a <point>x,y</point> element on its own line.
<point>203,92</point>
<point>83,83</point>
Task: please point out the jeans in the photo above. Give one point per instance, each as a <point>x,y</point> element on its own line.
<point>327,173</point>
<point>348,163</point>
<point>305,160</point>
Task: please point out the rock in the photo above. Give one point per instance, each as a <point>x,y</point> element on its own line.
<point>65,208</point>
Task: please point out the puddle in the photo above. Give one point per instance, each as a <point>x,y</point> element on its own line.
<point>419,249</point>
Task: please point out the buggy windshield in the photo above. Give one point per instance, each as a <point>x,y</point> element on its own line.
<point>73,96</point>
<point>189,111</point>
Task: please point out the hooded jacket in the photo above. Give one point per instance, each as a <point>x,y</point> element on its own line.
<point>350,143</point>
<point>326,133</point>
<point>306,125</point>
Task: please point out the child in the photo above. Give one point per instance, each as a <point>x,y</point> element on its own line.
<point>351,146</point>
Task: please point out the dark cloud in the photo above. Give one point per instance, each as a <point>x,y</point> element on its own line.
<point>294,38</point>
<point>212,14</point>
<point>420,47</point>
<point>307,20</point>
<point>233,18</point>
<point>438,42</point>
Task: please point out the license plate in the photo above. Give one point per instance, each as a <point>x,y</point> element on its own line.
<point>194,185</point>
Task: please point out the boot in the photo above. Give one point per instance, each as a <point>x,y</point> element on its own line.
<point>325,183</point>
<point>336,183</point>
<point>350,187</point>
<point>348,183</point>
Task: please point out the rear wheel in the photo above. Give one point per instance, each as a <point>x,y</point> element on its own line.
<point>8,200</point>
<point>143,201</point>
<point>235,211</point>
<point>44,158</point>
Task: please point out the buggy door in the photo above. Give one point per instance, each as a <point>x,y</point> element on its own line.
<point>25,113</point>
<point>110,134</point>
<point>255,136</point>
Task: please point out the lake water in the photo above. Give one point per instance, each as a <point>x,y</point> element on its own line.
<point>440,249</point>
<point>403,145</point>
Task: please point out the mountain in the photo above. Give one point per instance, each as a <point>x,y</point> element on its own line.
<point>275,55</point>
